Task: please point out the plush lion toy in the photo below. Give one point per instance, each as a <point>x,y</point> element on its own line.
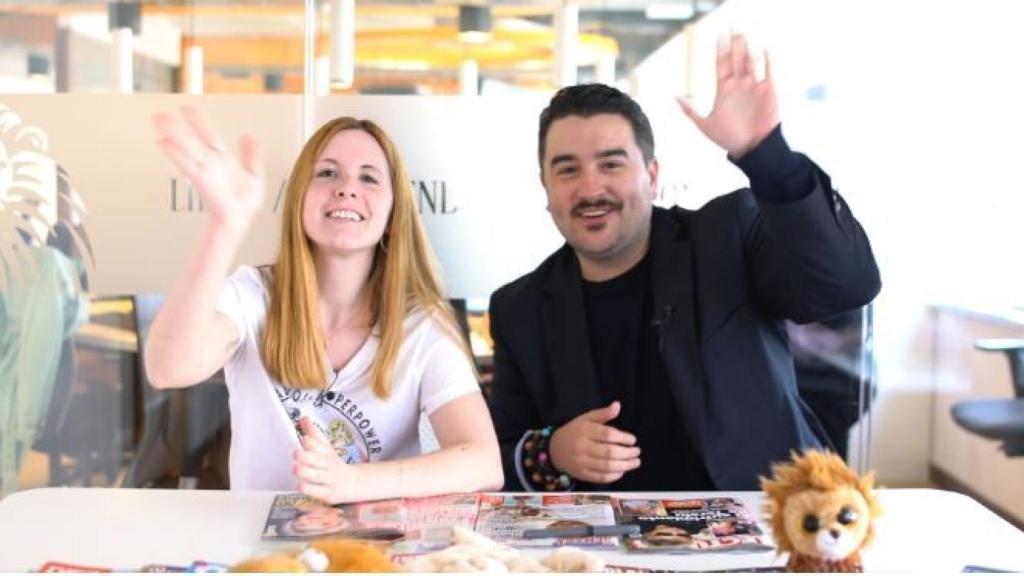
<point>821,512</point>
<point>323,556</point>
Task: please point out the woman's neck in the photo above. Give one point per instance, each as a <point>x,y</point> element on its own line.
<point>342,281</point>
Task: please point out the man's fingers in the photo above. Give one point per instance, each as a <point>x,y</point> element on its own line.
<point>598,477</point>
<point>606,414</point>
<point>691,113</point>
<point>604,434</point>
<point>767,68</point>
<point>738,55</point>
<point>610,451</point>
<point>603,466</point>
<point>723,62</point>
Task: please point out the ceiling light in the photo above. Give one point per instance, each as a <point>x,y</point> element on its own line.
<point>669,11</point>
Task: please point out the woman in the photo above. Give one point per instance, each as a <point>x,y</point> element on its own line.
<point>330,354</point>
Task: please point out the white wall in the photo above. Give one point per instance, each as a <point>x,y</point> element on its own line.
<point>919,126</point>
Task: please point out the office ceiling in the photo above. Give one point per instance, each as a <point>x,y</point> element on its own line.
<point>389,30</point>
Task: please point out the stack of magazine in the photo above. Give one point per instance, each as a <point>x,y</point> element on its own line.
<point>691,525</point>
<point>552,518</point>
<point>418,525</point>
<point>413,525</point>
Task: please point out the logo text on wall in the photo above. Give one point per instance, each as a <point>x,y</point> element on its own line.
<point>432,197</point>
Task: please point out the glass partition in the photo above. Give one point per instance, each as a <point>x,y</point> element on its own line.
<point>100,227</point>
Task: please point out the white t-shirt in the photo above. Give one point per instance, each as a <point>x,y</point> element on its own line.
<point>430,371</point>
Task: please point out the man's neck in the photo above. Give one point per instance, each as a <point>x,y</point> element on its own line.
<point>601,270</point>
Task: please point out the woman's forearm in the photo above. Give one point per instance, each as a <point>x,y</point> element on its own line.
<point>184,346</point>
<point>467,467</point>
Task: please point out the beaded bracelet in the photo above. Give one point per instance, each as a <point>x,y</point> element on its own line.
<point>537,463</point>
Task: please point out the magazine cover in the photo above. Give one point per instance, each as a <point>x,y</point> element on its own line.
<point>429,522</point>
<point>299,517</point>
<point>691,525</point>
<point>415,525</point>
<point>506,518</point>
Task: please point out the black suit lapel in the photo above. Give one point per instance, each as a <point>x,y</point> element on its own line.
<point>674,319</point>
<point>574,384</point>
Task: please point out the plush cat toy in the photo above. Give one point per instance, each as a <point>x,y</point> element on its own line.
<point>821,512</point>
<point>323,556</point>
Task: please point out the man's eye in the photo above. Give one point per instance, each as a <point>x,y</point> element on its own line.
<point>567,171</point>
<point>611,165</point>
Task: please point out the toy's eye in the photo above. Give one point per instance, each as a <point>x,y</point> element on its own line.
<point>846,516</point>
<point>811,523</point>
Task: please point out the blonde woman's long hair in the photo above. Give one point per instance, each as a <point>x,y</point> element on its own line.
<point>403,277</point>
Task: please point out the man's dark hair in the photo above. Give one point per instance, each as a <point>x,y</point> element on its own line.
<point>587,100</point>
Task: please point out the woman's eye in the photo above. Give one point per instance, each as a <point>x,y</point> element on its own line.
<point>810,523</point>
<point>368,179</point>
<point>846,516</point>
<point>326,173</point>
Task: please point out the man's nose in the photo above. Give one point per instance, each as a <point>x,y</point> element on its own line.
<point>591,183</point>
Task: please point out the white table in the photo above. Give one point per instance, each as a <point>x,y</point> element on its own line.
<point>922,530</point>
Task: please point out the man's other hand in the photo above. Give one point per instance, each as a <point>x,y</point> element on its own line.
<point>588,449</point>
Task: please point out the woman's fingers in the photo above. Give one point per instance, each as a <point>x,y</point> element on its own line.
<point>170,127</point>
<point>205,134</point>
<point>318,491</point>
<point>178,156</point>
<point>252,156</point>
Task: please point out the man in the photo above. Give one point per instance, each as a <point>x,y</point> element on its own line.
<point>648,353</point>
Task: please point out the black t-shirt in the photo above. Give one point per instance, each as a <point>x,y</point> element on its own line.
<point>624,347</point>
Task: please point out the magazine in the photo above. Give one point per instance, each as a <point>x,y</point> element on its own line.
<point>413,525</point>
<point>506,518</point>
<point>691,525</point>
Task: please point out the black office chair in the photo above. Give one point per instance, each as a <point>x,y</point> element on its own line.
<point>186,432</point>
<point>998,418</point>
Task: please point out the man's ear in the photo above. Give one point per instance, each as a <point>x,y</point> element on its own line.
<point>544,185</point>
<point>652,174</point>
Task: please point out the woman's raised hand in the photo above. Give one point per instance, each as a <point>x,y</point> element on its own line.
<point>231,187</point>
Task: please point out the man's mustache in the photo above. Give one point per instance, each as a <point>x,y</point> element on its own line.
<point>598,204</point>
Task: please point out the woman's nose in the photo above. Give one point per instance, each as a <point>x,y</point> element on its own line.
<point>342,190</point>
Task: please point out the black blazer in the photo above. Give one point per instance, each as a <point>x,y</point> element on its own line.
<point>723,278</point>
